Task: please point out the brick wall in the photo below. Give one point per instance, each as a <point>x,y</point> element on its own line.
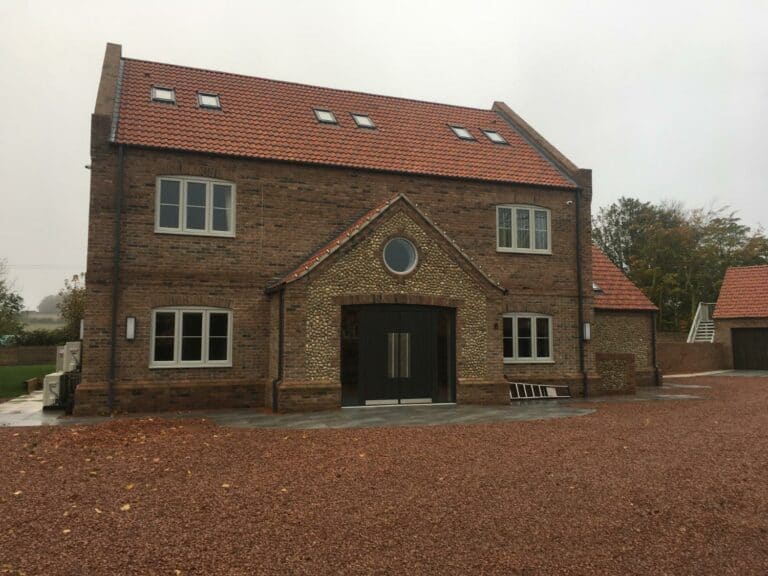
<point>684,358</point>
<point>672,336</point>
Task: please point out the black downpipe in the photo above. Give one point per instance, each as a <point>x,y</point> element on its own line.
<point>280,349</point>
<point>580,287</point>
<point>656,373</point>
<point>115,281</point>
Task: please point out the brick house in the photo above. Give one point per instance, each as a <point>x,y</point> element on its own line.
<point>741,317</point>
<point>255,243</point>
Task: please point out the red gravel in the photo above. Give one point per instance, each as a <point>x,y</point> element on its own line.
<point>640,488</point>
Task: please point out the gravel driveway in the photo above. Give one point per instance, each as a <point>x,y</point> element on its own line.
<point>634,488</point>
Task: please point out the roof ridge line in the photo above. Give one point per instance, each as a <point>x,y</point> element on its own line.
<point>315,86</point>
<point>115,123</point>
<point>535,140</point>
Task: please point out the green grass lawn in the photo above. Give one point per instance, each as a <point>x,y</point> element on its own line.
<point>12,378</point>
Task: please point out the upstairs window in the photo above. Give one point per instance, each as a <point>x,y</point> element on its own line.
<point>160,94</point>
<point>191,337</point>
<point>462,132</point>
<point>527,338</point>
<point>363,121</point>
<point>195,206</point>
<point>494,137</point>
<point>325,116</point>
<point>207,100</point>
<point>523,229</point>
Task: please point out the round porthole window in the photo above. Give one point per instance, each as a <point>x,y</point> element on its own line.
<point>400,255</point>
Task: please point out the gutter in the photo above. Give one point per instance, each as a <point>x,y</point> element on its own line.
<point>115,280</point>
<point>656,372</point>
<point>280,350</point>
<point>580,289</point>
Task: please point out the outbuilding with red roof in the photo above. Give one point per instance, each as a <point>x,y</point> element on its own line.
<point>741,317</point>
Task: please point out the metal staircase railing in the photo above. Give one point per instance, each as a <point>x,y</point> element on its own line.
<point>703,326</point>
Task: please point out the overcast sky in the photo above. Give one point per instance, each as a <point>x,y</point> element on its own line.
<point>662,100</point>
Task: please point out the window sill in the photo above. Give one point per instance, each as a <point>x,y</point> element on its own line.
<point>527,361</point>
<point>184,366</point>
<point>523,251</point>
<point>190,233</point>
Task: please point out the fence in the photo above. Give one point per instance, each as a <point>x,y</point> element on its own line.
<point>27,355</point>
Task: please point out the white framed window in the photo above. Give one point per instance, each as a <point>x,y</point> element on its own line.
<point>160,94</point>
<point>527,338</point>
<point>189,205</point>
<point>191,337</point>
<point>208,100</point>
<point>363,121</point>
<point>462,132</point>
<point>523,229</point>
<point>325,116</point>
<point>494,137</point>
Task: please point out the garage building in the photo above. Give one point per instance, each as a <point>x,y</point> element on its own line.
<point>741,317</point>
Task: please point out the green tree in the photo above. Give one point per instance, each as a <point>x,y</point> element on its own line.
<point>72,305</point>
<point>11,304</point>
<point>49,304</point>
<point>677,257</point>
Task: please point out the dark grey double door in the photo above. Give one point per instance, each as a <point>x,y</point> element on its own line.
<point>393,354</point>
<point>750,348</point>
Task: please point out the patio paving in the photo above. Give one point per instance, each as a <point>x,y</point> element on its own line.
<point>27,411</point>
<point>425,415</point>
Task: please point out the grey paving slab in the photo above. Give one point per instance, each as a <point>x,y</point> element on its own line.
<point>745,373</point>
<point>647,394</point>
<point>27,411</point>
<point>432,415</point>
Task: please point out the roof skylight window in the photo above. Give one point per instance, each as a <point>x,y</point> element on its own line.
<point>363,121</point>
<point>160,94</point>
<point>495,137</point>
<point>208,100</point>
<point>325,116</point>
<point>596,288</point>
<point>462,133</point>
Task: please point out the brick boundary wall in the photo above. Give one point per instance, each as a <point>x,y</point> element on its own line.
<point>679,337</point>
<point>27,355</point>
<point>684,358</point>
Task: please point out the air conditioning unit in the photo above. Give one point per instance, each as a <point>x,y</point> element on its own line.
<point>52,387</point>
<point>68,357</point>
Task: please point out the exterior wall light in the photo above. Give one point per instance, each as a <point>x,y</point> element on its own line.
<point>587,331</point>
<point>130,328</point>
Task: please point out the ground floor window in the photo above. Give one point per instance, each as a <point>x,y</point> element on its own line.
<point>527,338</point>
<point>191,337</point>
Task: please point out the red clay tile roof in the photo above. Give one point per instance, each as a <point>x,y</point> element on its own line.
<point>357,226</point>
<point>744,293</point>
<point>617,292</point>
<point>274,120</point>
